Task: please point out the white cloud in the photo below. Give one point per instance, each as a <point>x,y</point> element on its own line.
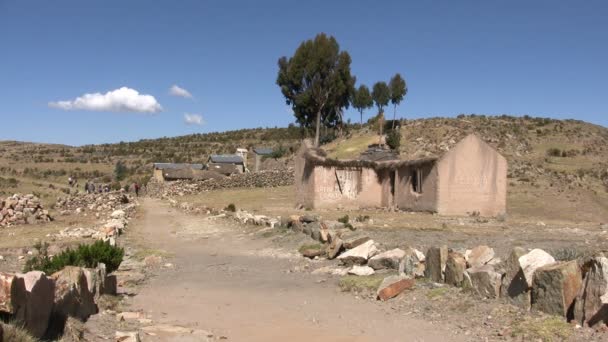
<point>119,100</point>
<point>193,119</point>
<point>175,90</point>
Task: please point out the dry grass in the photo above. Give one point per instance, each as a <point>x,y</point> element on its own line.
<point>545,329</point>
<point>351,148</point>
<point>13,333</point>
<point>353,283</point>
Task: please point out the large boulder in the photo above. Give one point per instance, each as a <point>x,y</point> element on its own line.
<point>484,281</point>
<point>12,293</point>
<point>361,270</point>
<point>335,247</point>
<point>387,260</point>
<point>591,305</point>
<point>514,285</point>
<point>355,242</point>
<point>392,286</point>
<point>455,267</point>
<point>72,295</point>
<point>96,279</point>
<point>36,313</point>
<point>479,256</point>
<point>359,255</point>
<point>412,263</point>
<point>555,287</point>
<point>436,257</point>
<point>531,261</point>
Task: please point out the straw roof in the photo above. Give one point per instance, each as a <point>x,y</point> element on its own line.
<point>318,157</point>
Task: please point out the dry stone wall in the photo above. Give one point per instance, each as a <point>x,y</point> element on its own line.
<point>22,209</point>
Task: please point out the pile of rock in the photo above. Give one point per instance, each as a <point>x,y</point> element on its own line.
<point>106,231</point>
<point>94,203</point>
<point>576,289</point>
<point>22,209</point>
<point>43,304</point>
<point>262,179</point>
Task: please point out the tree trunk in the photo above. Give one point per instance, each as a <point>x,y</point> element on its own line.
<point>394,115</point>
<point>317,131</point>
<point>361,112</point>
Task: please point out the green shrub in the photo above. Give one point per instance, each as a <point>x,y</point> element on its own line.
<point>344,219</point>
<point>230,207</point>
<point>393,139</point>
<point>554,152</point>
<point>83,256</point>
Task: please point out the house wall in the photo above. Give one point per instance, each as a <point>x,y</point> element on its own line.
<point>472,178</point>
<point>158,175</point>
<point>407,199</point>
<point>350,188</point>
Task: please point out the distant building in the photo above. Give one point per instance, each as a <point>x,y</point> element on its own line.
<point>260,153</point>
<point>470,179</point>
<point>175,171</point>
<point>226,164</point>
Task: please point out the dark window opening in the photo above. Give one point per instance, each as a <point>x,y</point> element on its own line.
<point>417,181</point>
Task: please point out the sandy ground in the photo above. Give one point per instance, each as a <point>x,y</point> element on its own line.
<point>239,287</point>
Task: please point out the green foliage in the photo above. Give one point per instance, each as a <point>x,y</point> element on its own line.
<point>381,94</point>
<point>8,182</point>
<point>554,152</point>
<point>353,283</point>
<point>317,82</point>
<point>83,256</point>
<point>230,207</point>
<point>120,171</point>
<point>362,100</point>
<point>344,219</point>
<point>398,90</point>
<point>393,139</point>
<point>277,153</point>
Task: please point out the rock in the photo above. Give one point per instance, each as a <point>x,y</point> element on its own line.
<point>12,293</point>
<point>127,336</point>
<point>514,284</point>
<point>335,248</point>
<point>392,286</point>
<point>96,280</point>
<point>353,243</point>
<point>361,270</point>
<point>530,262</point>
<point>118,214</point>
<point>312,253</point>
<point>480,256</point>
<point>36,313</point>
<point>412,263</point>
<point>129,316</point>
<point>591,304</point>
<point>308,218</point>
<point>72,295</point>
<point>436,257</point>
<point>454,269</point>
<point>387,260</point>
<point>555,287</point>
<point>484,281</point>
<point>359,255</point>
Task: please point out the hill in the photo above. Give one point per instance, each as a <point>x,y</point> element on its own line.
<point>546,157</point>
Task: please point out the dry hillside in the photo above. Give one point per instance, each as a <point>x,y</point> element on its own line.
<point>562,162</point>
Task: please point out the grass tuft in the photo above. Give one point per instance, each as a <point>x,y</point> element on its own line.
<point>353,283</point>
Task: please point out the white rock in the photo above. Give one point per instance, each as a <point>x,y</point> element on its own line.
<point>361,270</point>
<point>127,336</point>
<point>534,259</point>
<point>118,214</point>
<point>360,254</point>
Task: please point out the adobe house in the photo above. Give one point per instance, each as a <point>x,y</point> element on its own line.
<point>174,171</point>
<point>260,153</point>
<point>470,179</point>
<point>226,164</point>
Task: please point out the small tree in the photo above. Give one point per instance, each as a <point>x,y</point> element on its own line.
<point>381,94</point>
<point>316,82</point>
<point>362,100</point>
<point>398,90</point>
<point>120,171</point>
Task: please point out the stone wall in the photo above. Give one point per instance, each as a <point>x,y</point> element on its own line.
<point>22,209</point>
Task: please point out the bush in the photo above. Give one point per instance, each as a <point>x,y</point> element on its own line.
<point>83,256</point>
<point>344,219</point>
<point>554,152</point>
<point>393,139</point>
<point>230,207</point>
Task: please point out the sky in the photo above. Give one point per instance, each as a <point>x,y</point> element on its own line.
<point>86,72</point>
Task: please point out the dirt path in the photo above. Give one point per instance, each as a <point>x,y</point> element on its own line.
<point>226,282</point>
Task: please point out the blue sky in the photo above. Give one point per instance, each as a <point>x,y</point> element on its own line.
<point>543,58</point>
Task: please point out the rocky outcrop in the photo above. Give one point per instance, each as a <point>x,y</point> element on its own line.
<point>555,288</point>
<point>35,313</point>
<point>72,295</point>
<point>359,255</point>
<point>514,284</point>
<point>22,209</point>
<point>592,300</point>
<point>435,260</point>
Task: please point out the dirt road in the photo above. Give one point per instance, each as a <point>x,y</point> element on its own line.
<point>233,285</point>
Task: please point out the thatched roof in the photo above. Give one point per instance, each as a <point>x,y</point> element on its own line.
<point>318,157</point>
<point>189,173</point>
